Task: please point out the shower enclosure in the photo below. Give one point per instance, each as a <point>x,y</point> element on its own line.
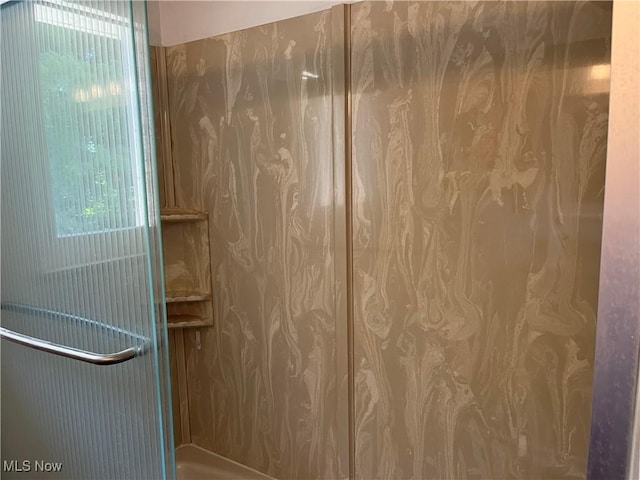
<point>404,207</point>
<point>381,231</point>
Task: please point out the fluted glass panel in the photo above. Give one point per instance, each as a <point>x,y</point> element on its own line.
<point>80,243</point>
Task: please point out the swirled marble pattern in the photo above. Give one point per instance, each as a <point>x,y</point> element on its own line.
<point>479,142</point>
<point>479,145</point>
<point>252,146</point>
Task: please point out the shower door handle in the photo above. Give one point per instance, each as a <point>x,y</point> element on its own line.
<point>67,351</point>
<point>70,352</point>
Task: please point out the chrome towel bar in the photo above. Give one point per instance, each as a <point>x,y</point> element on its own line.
<point>71,352</point>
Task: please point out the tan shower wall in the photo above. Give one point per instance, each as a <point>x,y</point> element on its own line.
<point>252,146</point>
<point>478,158</point>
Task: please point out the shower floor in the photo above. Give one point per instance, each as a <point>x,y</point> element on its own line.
<point>195,463</point>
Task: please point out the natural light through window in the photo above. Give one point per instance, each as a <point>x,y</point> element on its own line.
<point>89,107</point>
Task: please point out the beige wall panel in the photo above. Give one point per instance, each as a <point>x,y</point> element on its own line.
<point>251,124</point>
<point>478,169</point>
<point>175,390</point>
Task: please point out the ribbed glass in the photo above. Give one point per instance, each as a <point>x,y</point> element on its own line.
<point>80,236</point>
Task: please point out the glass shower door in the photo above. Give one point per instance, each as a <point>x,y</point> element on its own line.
<point>84,360</point>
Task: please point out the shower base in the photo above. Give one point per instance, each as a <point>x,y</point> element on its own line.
<point>195,463</point>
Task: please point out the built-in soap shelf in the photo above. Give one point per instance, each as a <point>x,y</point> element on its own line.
<point>182,215</point>
<point>185,237</point>
<point>189,321</point>
<point>181,297</point>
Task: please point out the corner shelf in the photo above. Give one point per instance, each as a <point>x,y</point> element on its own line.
<point>187,267</point>
<point>182,215</point>
<point>188,321</point>
<point>180,297</point>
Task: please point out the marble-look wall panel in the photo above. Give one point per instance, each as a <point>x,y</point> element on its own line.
<point>175,391</point>
<point>251,126</point>
<point>479,146</point>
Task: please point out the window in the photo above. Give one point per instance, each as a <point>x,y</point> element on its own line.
<point>89,111</point>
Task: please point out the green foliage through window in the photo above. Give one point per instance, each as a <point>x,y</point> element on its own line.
<point>86,117</point>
